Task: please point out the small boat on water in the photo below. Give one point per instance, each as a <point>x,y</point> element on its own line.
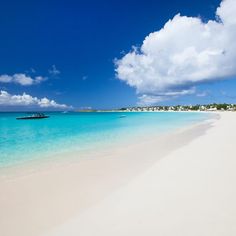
<point>122,116</point>
<point>33,116</point>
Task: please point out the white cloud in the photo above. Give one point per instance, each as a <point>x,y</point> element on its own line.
<point>146,99</point>
<point>54,71</point>
<point>7,99</point>
<point>5,78</point>
<point>184,53</point>
<point>202,94</point>
<point>21,79</point>
<point>39,79</point>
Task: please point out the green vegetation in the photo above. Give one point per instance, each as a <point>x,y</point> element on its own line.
<point>197,107</point>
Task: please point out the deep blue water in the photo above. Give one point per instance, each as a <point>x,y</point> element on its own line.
<point>26,140</point>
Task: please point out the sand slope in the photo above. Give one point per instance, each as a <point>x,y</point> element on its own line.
<point>192,191</point>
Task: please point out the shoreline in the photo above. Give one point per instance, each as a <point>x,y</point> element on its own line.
<point>75,148</point>
<point>191,191</point>
<point>38,201</point>
<point>58,159</point>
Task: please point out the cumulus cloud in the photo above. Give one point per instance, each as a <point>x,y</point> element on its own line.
<point>183,54</point>
<point>21,79</point>
<point>54,71</point>
<point>7,99</point>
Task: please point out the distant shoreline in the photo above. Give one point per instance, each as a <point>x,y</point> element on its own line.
<point>178,108</point>
<point>154,111</point>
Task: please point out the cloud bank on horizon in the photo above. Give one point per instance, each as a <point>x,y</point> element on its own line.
<point>8,99</point>
<point>185,53</point>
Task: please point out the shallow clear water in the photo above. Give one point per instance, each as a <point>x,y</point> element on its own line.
<point>26,140</point>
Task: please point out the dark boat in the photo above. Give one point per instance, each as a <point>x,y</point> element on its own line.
<point>33,117</point>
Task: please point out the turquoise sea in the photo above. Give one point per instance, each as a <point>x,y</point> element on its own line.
<point>22,141</point>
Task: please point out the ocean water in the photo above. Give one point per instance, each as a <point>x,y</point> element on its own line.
<point>22,141</point>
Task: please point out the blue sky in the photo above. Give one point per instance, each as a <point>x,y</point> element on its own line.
<point>72,46</point>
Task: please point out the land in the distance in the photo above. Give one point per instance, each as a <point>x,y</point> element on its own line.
<point>198,107</point>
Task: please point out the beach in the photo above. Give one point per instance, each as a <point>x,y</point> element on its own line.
<point>178,183</point>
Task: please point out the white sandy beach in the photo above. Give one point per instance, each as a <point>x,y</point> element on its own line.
<point>178,184</point>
